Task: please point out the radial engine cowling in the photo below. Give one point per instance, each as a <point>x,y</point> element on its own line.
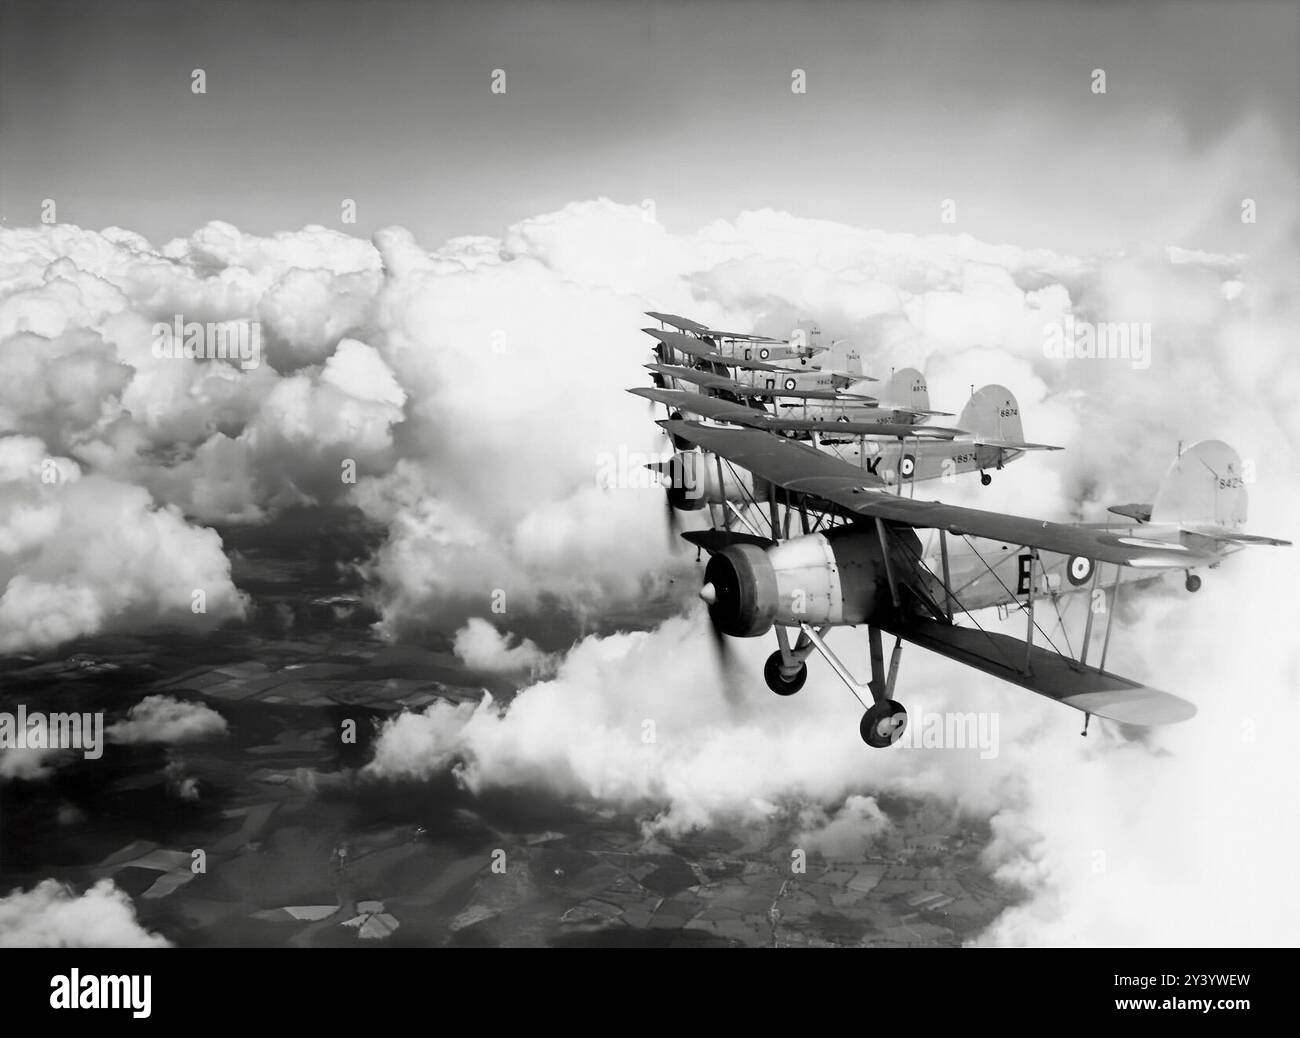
<point>832,578</point>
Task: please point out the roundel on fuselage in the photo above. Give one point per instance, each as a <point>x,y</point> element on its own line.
<point>1078,569</point>
<point>790,383</point>
<point>907,466</point>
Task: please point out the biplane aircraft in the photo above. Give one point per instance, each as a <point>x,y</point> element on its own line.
<point>834,367</point>
<point>859,558</point>
<point>803,344</point>
<point>900,453</point>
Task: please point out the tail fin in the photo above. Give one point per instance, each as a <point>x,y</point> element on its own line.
<point>906,388</point>
<point>806,337</point>
<point>992,416</point>
<point>841,358</point>
<point>1203,487</point>
<point>992,413</point>
<point>1204,493</point>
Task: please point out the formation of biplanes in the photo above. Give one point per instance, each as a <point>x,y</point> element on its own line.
<point>807,467</point>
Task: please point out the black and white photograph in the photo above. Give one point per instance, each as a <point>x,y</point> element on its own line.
<point>650,475</point>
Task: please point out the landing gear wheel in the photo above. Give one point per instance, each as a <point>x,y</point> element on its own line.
<point>1192,583</point>
<point>883,724</point>
<point>777,682</point>
<point>985,478</point>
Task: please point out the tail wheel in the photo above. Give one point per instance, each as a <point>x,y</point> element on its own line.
<point>985,478</point>
<point>884,724</point>
<point>1193,582</point>
<point>778,682</point>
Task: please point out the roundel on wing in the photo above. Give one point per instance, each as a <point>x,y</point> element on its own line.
<point>764,353</point>
<point>842,418</point>
<point>790,383</point>
<point>1078,569</point>
<point>907,466</point>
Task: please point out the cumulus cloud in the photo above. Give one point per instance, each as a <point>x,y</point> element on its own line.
<point>478,388</point>
<point>85,554</point>
<point>164,719</point>
<point>28,764</point>
<point>483,647</point>
<point>849,833</point>
<point>53,915</point>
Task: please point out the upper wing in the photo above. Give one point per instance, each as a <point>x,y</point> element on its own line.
<point>803,469</point>
<point>697,403</point>
<point>701,350</point>
<point>684,324</point>
<point>742,337</point>
<point>725,411</point>
<point>881,428</point>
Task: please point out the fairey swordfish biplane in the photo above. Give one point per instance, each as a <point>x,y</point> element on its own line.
<point>866,555</point>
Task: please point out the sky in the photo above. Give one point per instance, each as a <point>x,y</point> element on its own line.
<point>690,105</point>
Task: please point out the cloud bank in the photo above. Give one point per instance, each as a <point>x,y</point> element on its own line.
<point>466,398</point>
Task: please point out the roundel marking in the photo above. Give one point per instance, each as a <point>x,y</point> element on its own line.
<point>842,418</point>
<point>1078,569</point>
<point>907,466</point>
<point>790,383</point>
<point>764,353</point>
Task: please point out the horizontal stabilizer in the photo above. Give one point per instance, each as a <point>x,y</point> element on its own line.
<point>1048,673</point>
<point>1218,533</point>
<point>857,376</point>
<point>1142,513</point>
<point>1008,445</point>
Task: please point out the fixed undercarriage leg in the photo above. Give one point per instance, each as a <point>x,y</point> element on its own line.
<point>885,719</point>
<point>786,670</point>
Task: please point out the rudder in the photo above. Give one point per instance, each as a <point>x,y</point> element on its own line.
<point>993,414</point>
<point>907,388</point>
<point>1204,486</point>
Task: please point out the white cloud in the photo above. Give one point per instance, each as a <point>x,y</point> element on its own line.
<point>168,720</point>
<point>85,554</point>
<point>478,387</point>
<point>483,647</point>
<point>52,915</point>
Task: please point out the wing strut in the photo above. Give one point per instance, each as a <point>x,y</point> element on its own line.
<point>1087,627</point>
<point>1110,620</point>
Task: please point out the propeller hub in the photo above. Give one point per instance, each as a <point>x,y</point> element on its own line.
<point>709,594</point>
